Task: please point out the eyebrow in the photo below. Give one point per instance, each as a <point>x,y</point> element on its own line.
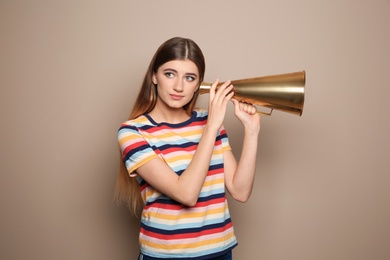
<point>192,74</point>
<point>169,69</point>
<point>188,73</point>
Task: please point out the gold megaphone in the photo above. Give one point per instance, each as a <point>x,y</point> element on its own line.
<point>284,92</point>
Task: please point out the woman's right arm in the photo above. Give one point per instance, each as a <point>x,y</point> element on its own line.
<point>186,187</point>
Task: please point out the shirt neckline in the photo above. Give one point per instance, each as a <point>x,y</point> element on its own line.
<point>188,121</point>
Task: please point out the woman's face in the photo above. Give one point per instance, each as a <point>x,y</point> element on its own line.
<point>176,81</point>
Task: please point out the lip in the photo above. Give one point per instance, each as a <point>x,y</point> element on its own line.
<point>176,97</point>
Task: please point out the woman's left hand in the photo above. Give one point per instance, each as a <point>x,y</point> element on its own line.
<point>247,114</point>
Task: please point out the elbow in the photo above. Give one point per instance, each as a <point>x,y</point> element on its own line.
<point>189,200</point>
<point>189,203</point>
<point>187,196</point>
<point>242,197</point>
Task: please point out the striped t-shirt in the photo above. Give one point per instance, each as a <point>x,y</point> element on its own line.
<point>169,229</point>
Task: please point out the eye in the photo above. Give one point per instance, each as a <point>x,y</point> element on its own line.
<point>169,74</point>
<point>190,78</point>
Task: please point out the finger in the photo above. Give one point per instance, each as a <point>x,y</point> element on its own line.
<point>236,104</point>
<point>225,96</point>
<point>235,101</point>
<point>214,85</point>
<point>224,86</point>
<point>253,110</point>
<point>212,89</point>
<point>225,89</point>
<point>229,96</point>
<point>245,107</point>
<point>222,92</point>
<point>250,109</point>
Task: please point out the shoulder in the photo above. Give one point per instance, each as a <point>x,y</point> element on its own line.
<point>136,122</point>
<point>135,125</point>
<point>139,123</point>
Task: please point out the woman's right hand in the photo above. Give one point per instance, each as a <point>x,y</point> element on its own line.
<point>218,100</point>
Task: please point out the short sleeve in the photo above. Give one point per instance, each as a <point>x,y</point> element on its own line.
<point>135,150</point>
<point>224,140</point>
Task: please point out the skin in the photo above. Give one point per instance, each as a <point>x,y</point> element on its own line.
<point>176,82</point>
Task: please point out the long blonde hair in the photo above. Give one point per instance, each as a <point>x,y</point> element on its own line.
<point>127,190</point>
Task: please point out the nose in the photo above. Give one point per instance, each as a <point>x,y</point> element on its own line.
<point>179,86</point>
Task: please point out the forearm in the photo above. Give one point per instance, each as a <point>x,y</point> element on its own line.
<point>184,188</point>
<point>244,175</point>
<point>191,180</point>
<point>193,177</point>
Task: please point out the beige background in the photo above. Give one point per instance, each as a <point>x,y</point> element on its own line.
<point>69,74</point>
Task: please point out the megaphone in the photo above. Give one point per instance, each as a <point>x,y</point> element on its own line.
<point>284,92</point>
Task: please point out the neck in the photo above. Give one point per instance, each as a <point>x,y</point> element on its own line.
<point>172,115</point>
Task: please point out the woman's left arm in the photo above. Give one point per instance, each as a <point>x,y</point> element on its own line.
<point>239,176</point>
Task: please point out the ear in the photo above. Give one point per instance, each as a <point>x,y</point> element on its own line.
<point>154,79</point>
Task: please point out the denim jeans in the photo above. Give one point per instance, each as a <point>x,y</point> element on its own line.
<point>227,256</point>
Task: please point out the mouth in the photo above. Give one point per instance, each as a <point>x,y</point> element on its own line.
<point>176,97</point>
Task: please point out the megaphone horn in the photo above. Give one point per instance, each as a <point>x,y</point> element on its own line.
<point>284,92</point>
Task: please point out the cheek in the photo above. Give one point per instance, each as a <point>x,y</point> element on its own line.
<point>196,87</point>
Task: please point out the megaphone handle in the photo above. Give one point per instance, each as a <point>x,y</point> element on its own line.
<point>264,113</point>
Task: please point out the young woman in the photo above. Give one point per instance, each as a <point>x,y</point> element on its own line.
<point>176,160</point>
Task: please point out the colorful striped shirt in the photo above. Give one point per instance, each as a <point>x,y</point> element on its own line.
<point>169,229</point>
